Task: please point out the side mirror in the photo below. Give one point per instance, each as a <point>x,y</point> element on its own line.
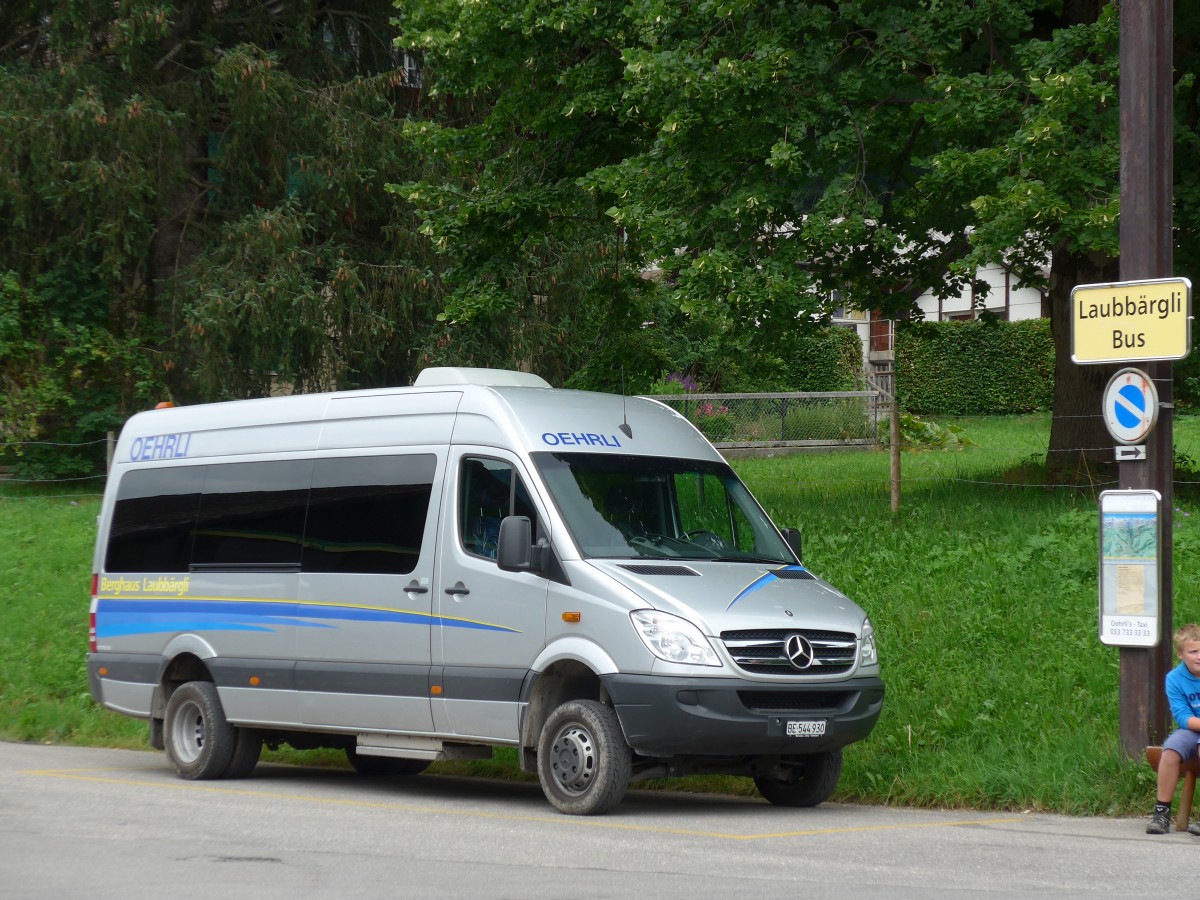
<point>792,537</point>
<point>514,551</point>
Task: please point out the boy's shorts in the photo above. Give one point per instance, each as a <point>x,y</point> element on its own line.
<point>1182,742</point>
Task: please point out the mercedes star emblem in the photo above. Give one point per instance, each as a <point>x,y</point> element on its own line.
<point>799,651</point>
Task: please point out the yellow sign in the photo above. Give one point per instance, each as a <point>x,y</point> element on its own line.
<point>1131,321</point>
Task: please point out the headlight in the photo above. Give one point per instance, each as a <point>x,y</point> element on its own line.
<point>673,639</point>
<point>869,655</point>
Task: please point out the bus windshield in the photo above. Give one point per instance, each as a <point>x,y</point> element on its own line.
<point>619,506</point>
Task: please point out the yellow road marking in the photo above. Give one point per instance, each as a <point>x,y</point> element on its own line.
<point>77,775</point>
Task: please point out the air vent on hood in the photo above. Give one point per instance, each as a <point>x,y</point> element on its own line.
<point>660,570</point>
<point>794,574</point>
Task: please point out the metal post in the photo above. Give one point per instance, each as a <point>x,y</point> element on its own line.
<point>1147,159</point>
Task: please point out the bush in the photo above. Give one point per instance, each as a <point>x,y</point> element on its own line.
<point>918,434</point>
<point>64,380</point>
<point>981,367</point>
<point>824,359</point>
<point>714,421</point>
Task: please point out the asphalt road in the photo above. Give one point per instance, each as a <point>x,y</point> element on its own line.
<point>78,822</point>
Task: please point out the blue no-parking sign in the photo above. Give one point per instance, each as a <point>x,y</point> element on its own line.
<point>1130,406</point>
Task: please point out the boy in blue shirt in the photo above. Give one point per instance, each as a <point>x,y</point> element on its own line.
<point>1183,695</point>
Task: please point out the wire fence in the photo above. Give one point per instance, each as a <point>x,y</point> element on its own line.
<point>779,421</point>
<point>1004,452</point>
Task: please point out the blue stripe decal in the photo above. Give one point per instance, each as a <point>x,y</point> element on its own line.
<point>120,617</point>
<point>761,582</point>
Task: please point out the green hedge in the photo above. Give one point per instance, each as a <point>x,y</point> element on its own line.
<point>825,359</point>
<point>812,358</point>
<point>816,358</point>
<point>980,367</point>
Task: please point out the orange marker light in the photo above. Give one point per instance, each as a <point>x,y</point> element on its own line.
<point>436,690</point>
<point>570,617</point>
<point>102,670</point>
<point>254,681</point>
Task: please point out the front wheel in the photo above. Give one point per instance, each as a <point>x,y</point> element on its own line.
<point>199,740</point>
<point>247,747</point>
<point>583,761</point>
<point>803,780</point>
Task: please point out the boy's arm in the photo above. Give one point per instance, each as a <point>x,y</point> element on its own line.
<point>1181,708</point>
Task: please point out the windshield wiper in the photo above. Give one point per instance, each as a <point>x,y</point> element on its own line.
<point>753,559</point>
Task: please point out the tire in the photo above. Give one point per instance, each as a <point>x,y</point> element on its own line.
<point>385,766</point>
<point>810,781</point>
<point>583,761</point>
<point>247,747</point>
<point>200,742</point>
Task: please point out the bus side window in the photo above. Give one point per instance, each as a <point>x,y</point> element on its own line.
<point>367,514</point>
<point>252,514</point>
<point>154,519</point>
<point>489,490</point>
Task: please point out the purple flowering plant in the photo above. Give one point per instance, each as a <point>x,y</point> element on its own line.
<point>675,383</point>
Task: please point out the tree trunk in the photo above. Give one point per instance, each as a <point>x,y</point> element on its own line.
<point>1081,449</point>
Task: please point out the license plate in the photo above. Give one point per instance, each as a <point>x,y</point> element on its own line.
<point>806,729</point>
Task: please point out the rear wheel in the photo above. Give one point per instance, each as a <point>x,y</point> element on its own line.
<point>385,765</point>
<point>583,761</point>
<point>803,780</point>
<point>200,742</point>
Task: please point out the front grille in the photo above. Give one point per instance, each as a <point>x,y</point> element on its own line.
<point>762,652</point>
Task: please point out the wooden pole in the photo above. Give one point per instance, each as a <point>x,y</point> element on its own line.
<point>1147,162</point>
<point>894,443</point>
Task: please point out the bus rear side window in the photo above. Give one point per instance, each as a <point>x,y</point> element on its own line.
<point>153,520</point>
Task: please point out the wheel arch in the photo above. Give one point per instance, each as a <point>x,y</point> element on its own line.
<point>178,669</point>
<point>545,691</point>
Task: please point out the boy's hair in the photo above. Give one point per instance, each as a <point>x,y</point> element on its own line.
<point>1189,632</point>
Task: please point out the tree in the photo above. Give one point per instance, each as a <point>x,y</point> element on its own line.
<point>877,152</point>
<point>194,205</point>
<point>221,198</point>
<point>1048,188</point>
<point>774,154</point>
<point>527,103</point>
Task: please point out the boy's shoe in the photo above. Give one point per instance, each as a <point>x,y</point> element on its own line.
<point>1194,828</point>
<point>1160,823</point>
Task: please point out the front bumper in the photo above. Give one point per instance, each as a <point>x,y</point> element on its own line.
<point>731,717</point>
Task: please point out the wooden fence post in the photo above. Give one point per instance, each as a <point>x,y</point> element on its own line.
<point>894,450</point>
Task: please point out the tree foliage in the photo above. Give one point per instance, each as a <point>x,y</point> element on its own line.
<point>193,198</point>
<point>222,198</point>
<point>779,159</point>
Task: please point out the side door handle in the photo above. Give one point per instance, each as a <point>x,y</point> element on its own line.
<point>458,588</point>
<point>415,587</point>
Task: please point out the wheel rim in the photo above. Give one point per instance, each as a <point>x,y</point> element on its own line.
<point>187,731</point>
<point>573,759</point>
